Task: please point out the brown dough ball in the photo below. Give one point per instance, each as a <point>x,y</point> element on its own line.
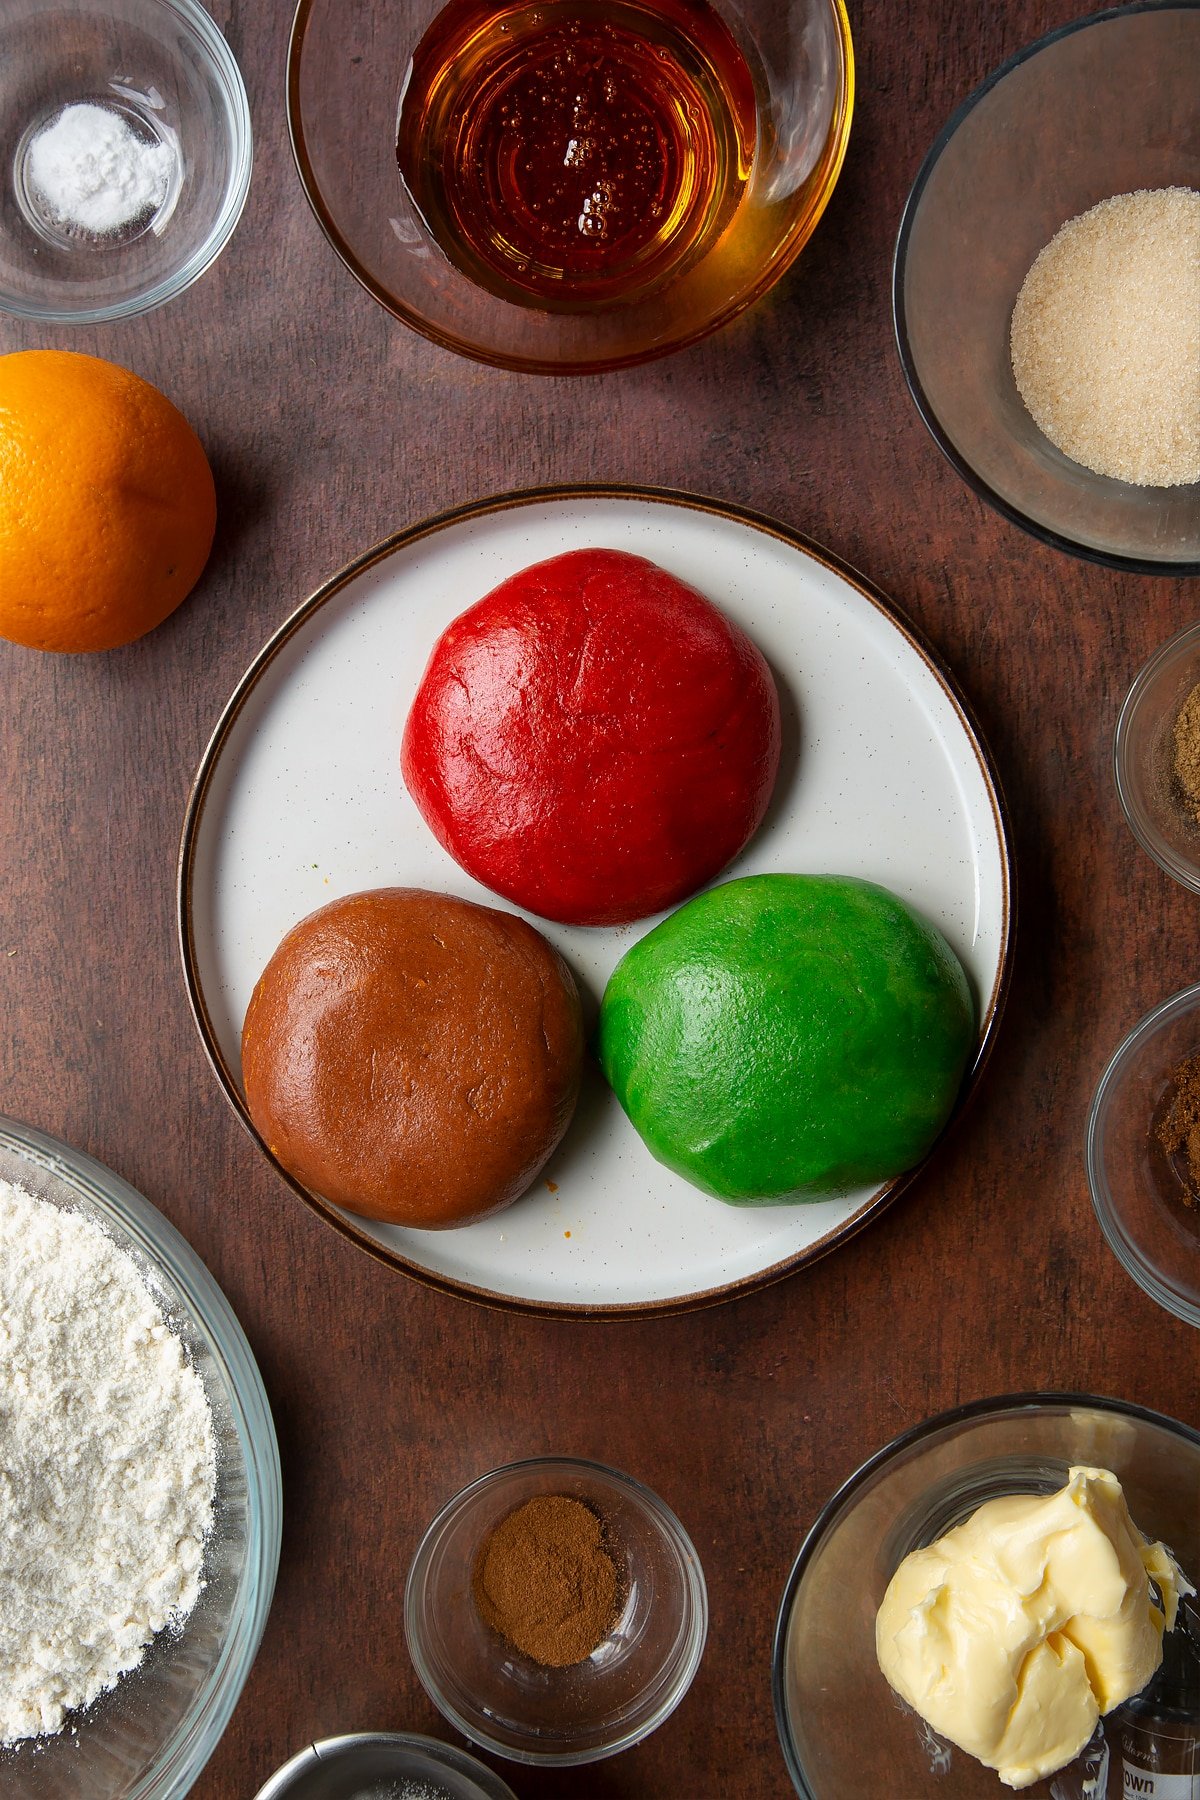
<point>413,1057</point>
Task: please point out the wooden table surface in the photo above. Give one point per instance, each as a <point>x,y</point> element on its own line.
<point>329,425</point>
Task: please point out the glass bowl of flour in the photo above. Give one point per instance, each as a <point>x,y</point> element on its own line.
<point>140,1497</point>
<point>125,154</point>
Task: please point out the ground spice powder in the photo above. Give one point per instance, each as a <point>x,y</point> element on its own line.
<point>546,1582</point>
<point>1179,1129</point>
<point>1185,743</point>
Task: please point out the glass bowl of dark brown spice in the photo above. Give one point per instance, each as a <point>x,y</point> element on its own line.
<point>1143,1154</point>
<point>1157,757</point>
<point>556,1611</point>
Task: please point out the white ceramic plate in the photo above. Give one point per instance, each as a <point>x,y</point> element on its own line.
<point>299,800</point>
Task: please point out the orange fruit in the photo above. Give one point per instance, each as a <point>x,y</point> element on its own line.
<point>107,506</point>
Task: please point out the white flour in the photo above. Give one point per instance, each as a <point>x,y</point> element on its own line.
<point>106,1466</point>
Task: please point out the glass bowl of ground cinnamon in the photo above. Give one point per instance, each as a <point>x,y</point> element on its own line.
<point>1046,290</point>
<point>1143,1154</point>
<point>1156,753</point>
<point>556,1611</point>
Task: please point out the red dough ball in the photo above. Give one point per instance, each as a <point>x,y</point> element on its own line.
<point>594,739</point>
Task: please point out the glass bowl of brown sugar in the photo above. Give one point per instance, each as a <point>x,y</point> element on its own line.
<point>1143,1154</point>
<point>556,1611</point>
<point>1156,752</point>
<point>1035,297</point>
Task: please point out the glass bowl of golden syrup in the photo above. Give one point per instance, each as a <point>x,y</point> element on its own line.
<point>569,185</point>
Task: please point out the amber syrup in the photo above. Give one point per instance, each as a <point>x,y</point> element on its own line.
<point>577,153</point>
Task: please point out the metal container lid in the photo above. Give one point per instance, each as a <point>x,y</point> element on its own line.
<point>367,1764</point>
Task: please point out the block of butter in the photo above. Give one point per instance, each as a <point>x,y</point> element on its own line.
<point>1014,1632</point>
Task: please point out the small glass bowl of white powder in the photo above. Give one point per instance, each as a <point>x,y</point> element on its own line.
<point>1066,188</point>
<point>140,1506</point>
<point>125,154</point>
<point>98,171</point>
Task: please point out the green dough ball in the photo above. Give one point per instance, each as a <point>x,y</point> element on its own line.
<point>787,1037</point>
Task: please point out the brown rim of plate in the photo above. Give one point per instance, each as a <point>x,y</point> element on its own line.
<point>832,158</point>
<point>573,491</point>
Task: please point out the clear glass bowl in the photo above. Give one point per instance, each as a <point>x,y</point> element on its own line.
<point>632,1681</point>
<point>346,67</point>
<point>149,1737</point>
<point>1135,1191</point>
<point>1143,753</point>
<point>341,1768</point>
<point>841,1727</point>
<point>166,67</point>
<point>1103,106</point>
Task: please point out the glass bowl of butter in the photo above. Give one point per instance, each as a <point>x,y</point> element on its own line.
<point>1013,1564</point>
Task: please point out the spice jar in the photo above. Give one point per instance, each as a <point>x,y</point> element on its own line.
<point>1157,1736</point>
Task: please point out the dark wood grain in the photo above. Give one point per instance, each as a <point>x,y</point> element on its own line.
<point>330,425</point>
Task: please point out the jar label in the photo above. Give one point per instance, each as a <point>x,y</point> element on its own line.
<point>1149,1784</point>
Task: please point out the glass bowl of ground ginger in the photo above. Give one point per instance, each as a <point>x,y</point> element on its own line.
<point>1046,289</point>
<point>1143,1154</point>
<point>556,1611</point>
<point>1156,755</point>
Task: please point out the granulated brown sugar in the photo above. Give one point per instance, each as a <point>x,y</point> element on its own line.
<point>1106,338</point>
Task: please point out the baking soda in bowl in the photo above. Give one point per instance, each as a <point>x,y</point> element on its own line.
<point>97,171</point>
<point>107,1466</point>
